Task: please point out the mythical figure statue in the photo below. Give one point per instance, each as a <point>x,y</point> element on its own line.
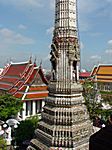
<point>54,57</point>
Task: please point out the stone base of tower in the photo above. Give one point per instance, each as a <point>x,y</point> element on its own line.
<point>65,123</point>
<point>36,145</point>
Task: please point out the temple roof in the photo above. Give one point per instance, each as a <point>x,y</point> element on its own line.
<point>84,74</point>
<point>11,74</point>
<point>93,72</point>
<point>24,80</point>
<point>104,70</point>
<point>102,73</point>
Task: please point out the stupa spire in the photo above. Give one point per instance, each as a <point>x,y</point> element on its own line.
<point>65,53</point>
<point>65,122</point>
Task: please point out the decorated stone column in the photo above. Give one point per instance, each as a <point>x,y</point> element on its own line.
<point>65,121</point>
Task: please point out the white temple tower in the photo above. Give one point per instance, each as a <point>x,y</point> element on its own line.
<point>65,122</point>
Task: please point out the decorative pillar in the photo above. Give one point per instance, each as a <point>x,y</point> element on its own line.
<point>43,103</point>
<point>77,72</point>
<point>34,108</point>
<point>24,111</point>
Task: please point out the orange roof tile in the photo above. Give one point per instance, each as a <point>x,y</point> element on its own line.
<point>38,88</point>
<point>93,71</point>
<point>104,77</point>
<point>36,95</point>
<point>104,70</point>
<point>108,81</point>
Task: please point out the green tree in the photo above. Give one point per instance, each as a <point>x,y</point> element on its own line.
<point>94,107</point>
<point>2,144</point>
<point>9,105</point>
<point>25,130</point>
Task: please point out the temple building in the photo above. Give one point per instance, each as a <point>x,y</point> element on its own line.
<point>83,76</point>
<point>27,82</point>
<point>65,121</point>
<point>102,77</point>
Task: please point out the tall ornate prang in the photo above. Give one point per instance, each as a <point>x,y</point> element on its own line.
<point>65,122</point>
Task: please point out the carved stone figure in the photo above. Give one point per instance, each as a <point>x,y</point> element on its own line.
<point>53,59</point>
<point>65,122</point>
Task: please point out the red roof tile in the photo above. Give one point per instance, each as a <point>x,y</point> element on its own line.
<point>9,80</point>
<point>20,77</point>
<point>19,83</point>
<point>5,86</point>
<point>16,69</point>
<point>18,95</point>
<point>31,77</point>
<point>84,74</point>
<point>12,90</point>
<point>27,73</point>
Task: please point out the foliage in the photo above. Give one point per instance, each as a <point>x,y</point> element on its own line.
<point>105,114</point>
<point>90,98</point>
<point>94,107</point>
<point>107,97</point>
<point>9,106</point>
<point>25,130</point>
<point>2,144</point>
<point>106,92</point>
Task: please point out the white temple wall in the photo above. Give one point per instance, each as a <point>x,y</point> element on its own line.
<point>32,109</point>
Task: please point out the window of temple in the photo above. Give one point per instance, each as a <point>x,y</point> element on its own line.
<point>40,106</point>
<point>26,108</point>
<point>31,108</point>
<point>36,109</point>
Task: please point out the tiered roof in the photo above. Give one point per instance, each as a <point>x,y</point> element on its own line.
<point>24,80</point>
<point>102,73</point>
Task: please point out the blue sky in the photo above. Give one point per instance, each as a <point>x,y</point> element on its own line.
<point>26,29</point>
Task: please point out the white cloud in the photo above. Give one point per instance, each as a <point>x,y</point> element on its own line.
<point>95,34</point>
<point>9,37</point>
<point>95,57</point>
<point>50,30</point>
<point>109,1</point>
<point>81,45</point>
<point>21,26</point>
<point>87,6</point>
<point>83,25</point>
<point>88,10</point>
<point>108,51</point>
<point>110,42</point>
<point>47,58</point>
<point>52,4</point>
<point>22,3</point>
